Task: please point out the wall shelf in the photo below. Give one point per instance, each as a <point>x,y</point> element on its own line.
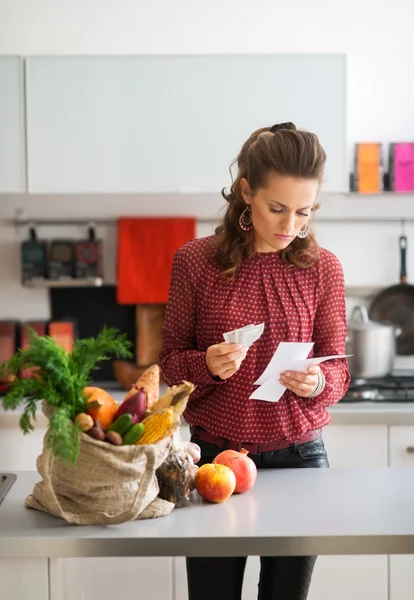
<point>53,283</point>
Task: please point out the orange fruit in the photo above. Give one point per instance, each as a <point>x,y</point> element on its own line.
<point>102,406</point>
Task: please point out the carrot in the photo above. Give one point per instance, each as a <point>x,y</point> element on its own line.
<point>150,381</point>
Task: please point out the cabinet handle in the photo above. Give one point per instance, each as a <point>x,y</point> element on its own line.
<point>410,449</point>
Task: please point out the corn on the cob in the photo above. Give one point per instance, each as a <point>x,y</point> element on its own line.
<point>157,426</point>
<point>174,395</point>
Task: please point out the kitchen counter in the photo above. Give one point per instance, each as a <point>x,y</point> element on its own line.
<point>343,413</point>
<point>288,512</point>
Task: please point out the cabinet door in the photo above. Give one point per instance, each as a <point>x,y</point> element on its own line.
<point>12,138</point>
<point>352,446</point>
<point>164,124</point>
<point>339,577</point>
<point>344,577</point>
<point>401,566</point>
<point>24,579</point>
<point>356,577</point>
<point>19,452</point>
<point>109,578</point>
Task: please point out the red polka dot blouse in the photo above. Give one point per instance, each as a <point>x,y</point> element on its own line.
<point>296,305</point>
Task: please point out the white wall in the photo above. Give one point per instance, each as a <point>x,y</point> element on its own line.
<point>372,33</point>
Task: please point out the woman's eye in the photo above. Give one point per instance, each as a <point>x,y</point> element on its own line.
<point>303,214</point>
<point>276,210</point>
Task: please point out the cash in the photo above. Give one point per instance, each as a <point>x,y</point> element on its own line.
<point>244,335</point>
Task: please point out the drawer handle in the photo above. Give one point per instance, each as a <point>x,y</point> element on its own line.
<point>410,449</point>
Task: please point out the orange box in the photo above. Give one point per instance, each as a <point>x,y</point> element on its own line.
<point>63,332</point>
<point>40,328</point>
<point>368,168</point>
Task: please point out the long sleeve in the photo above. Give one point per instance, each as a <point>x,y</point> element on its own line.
<point>329,335</point>
<point>180,358</point>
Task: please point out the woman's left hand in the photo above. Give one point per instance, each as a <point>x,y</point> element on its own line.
<point>301,384</point>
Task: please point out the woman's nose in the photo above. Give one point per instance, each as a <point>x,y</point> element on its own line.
<point>289,223</point>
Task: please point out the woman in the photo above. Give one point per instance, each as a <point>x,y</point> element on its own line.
<point>263,265</point>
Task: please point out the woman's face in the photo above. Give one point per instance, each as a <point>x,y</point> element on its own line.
<point>279,210</point>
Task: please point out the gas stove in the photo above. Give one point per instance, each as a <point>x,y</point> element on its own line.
<point>397,387</point>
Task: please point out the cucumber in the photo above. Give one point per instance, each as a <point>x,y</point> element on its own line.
<point>133,435</point>
<point>122,424</point>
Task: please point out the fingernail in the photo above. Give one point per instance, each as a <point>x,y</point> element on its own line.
<point>286,374</point>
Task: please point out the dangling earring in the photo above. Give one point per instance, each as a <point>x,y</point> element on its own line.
<point>303,233</point>
<point>245,219</point>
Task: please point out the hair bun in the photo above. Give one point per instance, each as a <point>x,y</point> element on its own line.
<point>280,126</point>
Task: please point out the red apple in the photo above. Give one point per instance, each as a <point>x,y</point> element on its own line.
<point>215,483</point>
<point>242,466</point>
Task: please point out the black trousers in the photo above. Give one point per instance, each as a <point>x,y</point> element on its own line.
<point>281,577</point>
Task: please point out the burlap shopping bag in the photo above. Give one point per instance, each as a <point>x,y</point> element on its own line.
<point>109,485</point>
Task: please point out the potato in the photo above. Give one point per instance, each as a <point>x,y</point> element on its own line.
<point>97,433</point>
<point>84,421</point>
<point>113,437</point>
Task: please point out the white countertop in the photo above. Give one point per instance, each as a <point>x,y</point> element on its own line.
<point>353,511</point>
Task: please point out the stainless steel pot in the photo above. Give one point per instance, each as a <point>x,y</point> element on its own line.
<point>372,345</point>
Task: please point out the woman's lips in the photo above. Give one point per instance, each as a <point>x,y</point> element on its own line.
<point>283,237</point>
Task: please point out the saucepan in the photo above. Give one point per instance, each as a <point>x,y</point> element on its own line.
<point>371,344</point>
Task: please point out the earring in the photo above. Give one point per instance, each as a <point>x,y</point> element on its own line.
<point>245,220</point>
<point>303,233</point>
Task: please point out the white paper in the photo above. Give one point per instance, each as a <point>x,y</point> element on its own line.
<point>285,354</point>
<point>289,356</point>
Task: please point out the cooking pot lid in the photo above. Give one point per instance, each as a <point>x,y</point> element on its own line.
<point>360,321</point>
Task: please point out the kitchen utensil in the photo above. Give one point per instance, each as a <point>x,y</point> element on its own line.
<point>88,257</point>
<point>61,259</point>
<point>33,257</point>
<point>395,305</point>
<point>372,345</point>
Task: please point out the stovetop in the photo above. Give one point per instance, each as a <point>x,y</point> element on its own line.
<point>398,387</point>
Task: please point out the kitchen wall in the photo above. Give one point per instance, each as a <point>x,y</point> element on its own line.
<point>380,107</point>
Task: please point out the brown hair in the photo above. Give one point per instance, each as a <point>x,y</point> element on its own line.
<point>279,149</point>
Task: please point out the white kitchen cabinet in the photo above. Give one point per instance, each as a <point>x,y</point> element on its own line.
<point>12,126</point>
<point>19,452</point>
<point>356,445</point>
<point>24,579</point>
<point>110,578</point>
<point>339,577</point>
<point>356,577</point>
<point>151,124</point>
<point>401,566</point>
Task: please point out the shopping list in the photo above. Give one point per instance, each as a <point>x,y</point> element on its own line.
<point>289,356</point>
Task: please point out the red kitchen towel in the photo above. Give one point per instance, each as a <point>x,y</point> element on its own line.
<point>146,248</point>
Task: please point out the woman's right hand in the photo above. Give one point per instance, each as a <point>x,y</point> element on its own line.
<point>224,359</point>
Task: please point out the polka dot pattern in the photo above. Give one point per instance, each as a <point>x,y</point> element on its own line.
<point>296,305</point>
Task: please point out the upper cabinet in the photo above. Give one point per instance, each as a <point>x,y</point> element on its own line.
<point>12,137</point>
<point>156,124</point>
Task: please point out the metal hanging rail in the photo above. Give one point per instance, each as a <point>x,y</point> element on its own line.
<point>204,220</point>
<point>82,222</point>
